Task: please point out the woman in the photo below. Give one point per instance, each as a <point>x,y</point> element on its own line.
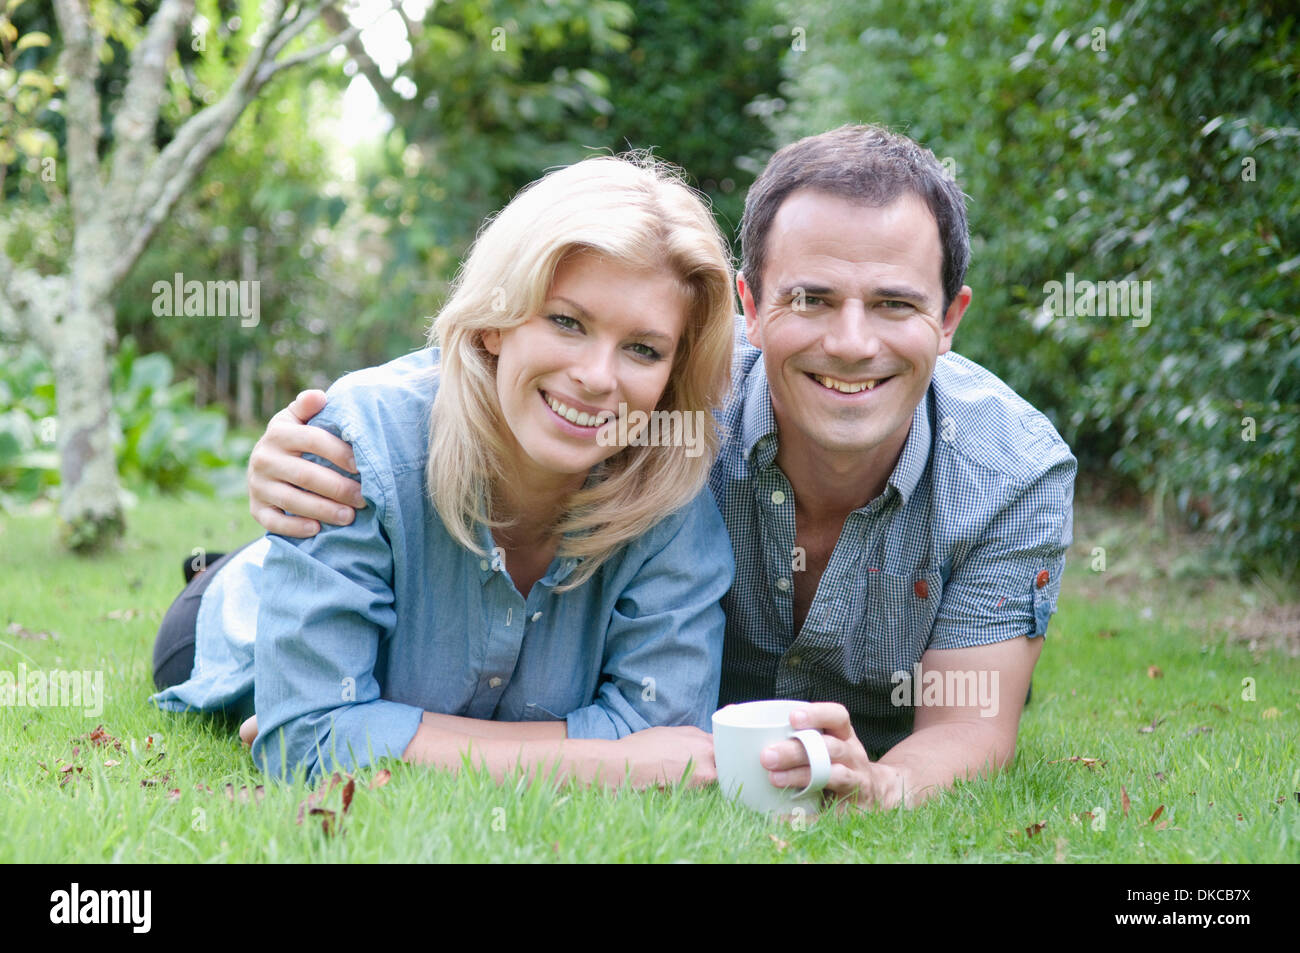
<point>515,586</point>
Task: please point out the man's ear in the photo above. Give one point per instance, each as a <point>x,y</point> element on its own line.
<point>953,317</point>
<point>750,308</point>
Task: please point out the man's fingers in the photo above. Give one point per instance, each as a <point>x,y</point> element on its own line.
<point>843,781</point>
<point>307,405</point>
<point>270,467</point>
<point>829,718</point>
<point>790,754</point>
<point>276,522</point>
<point>289,437</point>
<point>291,501</point>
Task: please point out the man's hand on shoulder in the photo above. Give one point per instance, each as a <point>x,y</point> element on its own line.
<point>280,482</point>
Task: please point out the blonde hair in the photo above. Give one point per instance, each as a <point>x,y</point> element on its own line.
<point>637,212</point>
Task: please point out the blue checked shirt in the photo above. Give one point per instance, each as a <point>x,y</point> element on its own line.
<point>362,628</point>
<point>965,547</point>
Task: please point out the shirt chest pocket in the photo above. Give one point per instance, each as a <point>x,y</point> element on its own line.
<point>898,614</point>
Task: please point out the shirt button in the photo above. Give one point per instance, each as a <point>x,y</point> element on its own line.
<point>794,661</point>
<point>783,584</point>
<point>494,682</point>
<point>536,616</point>
<point>921,589</point>
<point>778,497</point>
<point>483,564</point>
<point>1042,579</point>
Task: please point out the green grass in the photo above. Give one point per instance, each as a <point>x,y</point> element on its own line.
<point>1225,769</point>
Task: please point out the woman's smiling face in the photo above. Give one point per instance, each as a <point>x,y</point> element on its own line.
<point>606,335</point>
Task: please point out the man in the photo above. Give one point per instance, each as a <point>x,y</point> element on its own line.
<point>891,504</point>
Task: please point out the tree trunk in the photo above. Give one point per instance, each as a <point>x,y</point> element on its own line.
<point>91,502</point>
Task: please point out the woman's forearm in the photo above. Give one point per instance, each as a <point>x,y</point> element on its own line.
<point>441,741</point>
<point>482,728</point>
<point>655,756</point>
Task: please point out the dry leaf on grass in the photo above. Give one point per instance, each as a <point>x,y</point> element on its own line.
<point>22,632</point>
<point>1086,762</point>
<point>1123,800</point>
<point>1153,671</point>
<point>1160,810</point>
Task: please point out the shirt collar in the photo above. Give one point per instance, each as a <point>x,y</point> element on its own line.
<point>916,451</point>
<point>759,435</point>
<point>493,562</point>
<point>758,422</point>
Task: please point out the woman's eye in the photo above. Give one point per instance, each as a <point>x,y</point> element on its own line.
<point>564,321</point>
<point>646,351</point>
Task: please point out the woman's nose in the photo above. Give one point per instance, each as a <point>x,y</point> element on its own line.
<point>594,369</point>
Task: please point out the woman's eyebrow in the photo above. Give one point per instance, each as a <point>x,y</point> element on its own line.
<point>639,333</point>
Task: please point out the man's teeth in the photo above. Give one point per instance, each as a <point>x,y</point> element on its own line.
<point>844,387</point>
<point>574,416</point>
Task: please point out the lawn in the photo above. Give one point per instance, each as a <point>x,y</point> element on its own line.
<point>1184,688</point>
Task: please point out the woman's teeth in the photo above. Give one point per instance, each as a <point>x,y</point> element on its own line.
<point>574,416</point>
<point>845,387</point>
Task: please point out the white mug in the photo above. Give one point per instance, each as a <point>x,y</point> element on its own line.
<point>741,732</point>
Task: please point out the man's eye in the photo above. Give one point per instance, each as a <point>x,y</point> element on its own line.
<point>565,321</point>
<point>896,305</point>
<point>808,301</point>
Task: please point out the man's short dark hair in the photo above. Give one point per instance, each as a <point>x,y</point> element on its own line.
<point>865,164</point>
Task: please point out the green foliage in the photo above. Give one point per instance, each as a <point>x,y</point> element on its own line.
<point>164,445</point>
<point>1153,141</point>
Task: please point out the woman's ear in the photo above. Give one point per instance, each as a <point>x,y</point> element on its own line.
<point>492,341</point>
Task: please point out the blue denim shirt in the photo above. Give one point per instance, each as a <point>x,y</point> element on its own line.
<point>362,628</point>
<point>964,547</point>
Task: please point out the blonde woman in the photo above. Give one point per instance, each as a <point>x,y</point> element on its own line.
<point>535,573</point>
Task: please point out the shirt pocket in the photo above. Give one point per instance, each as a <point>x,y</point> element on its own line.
<point>898,616</point>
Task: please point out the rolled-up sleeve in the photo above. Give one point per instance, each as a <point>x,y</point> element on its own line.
<point>326,605</point>
<point>663,646</point>
<point>1008,585</point>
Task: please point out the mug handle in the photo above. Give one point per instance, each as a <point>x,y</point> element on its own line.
<point>819,759</point>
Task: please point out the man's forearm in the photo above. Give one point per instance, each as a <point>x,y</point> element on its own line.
<point>927,761</point>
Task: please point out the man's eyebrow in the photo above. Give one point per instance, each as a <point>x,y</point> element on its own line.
<point>901,292</point>
<point>583,313</point>
<point>807,288</point>
<point>888,292</point>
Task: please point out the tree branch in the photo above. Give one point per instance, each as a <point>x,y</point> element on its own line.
<point>79,62</point>
<point>269,69</point>
<point>286,35</point>
<point>137,117</point>
<point>178,165</point>
<point>31,302</point>
<point>396,105</point>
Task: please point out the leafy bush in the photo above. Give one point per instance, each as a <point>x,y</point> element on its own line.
<point>164,443</point>
<point>1145,142</point>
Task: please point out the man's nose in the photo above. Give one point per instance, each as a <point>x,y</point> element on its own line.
<point>851,334</point>
<point>594,368</point>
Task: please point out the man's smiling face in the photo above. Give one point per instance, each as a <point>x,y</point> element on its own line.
<point>851,320</point>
